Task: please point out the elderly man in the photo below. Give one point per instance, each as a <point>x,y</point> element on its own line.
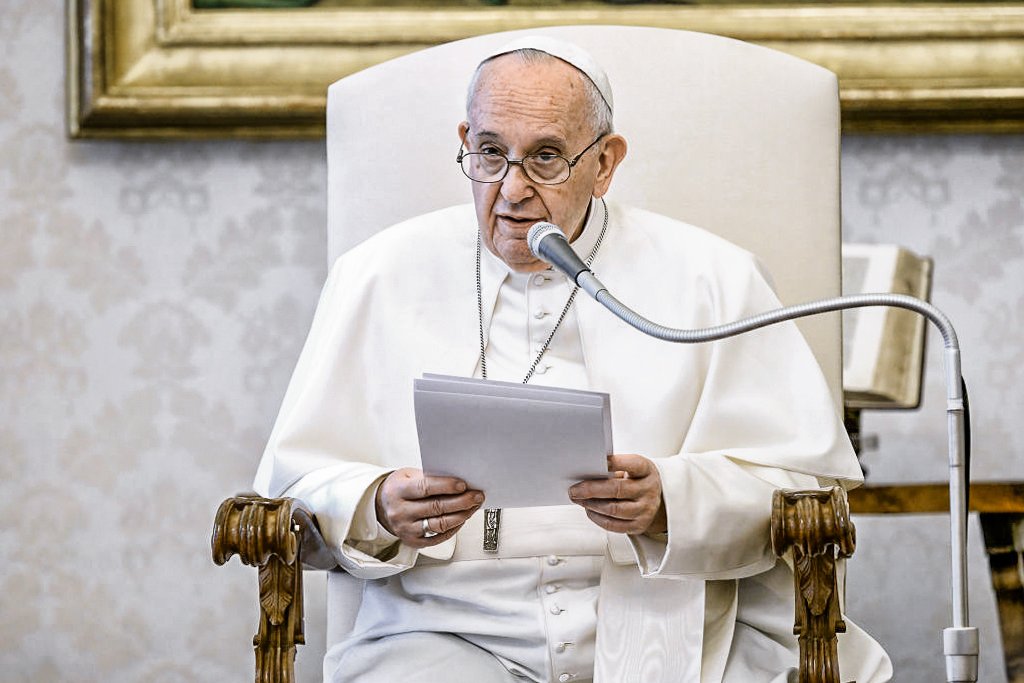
<point>663,572</point>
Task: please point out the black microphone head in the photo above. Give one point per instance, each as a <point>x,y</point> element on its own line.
<point>538,232</point>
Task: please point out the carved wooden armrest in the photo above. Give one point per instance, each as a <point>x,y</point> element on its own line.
<point>816,526</point>
<point>275,536</point>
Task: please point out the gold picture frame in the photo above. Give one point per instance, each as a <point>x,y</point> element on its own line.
<point>160,69</point>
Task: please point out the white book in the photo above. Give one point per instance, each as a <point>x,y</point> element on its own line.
<point>883,348</point>
<point>522,445</point>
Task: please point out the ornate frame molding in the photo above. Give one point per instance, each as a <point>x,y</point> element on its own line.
<point>159,69</point>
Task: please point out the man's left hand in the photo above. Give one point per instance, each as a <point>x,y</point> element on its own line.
<point>628,502</point>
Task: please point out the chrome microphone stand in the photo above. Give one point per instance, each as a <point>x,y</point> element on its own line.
<point>960,641</point>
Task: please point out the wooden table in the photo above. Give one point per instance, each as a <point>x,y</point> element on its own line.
<point>1000,506</point>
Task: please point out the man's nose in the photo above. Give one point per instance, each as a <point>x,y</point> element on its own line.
<point>516,186</point>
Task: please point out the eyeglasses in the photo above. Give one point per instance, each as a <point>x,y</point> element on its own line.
<point>544,168</point>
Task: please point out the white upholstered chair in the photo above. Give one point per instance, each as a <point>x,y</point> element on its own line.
<point>733,137</point>
<point>736,138</point>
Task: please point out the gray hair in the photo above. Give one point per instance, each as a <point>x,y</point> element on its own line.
<point>598,112</point>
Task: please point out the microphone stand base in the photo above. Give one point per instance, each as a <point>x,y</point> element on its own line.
<point>960,646</point>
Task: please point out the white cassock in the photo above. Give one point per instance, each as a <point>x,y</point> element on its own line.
<point>726,423</point>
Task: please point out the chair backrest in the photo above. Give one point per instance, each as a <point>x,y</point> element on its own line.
<point>736,138</point>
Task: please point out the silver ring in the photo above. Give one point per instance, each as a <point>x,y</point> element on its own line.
<point>427,533</point>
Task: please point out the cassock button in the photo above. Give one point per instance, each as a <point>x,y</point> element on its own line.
<point>541,369</point>
<point>551,588</point>
<point>555,609</point>
<point>553,560</point>
<point>539,280</point>
<point>540,314</point>
<point>564,678</point>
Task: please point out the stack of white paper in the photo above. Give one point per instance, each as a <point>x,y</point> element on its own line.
<point>521,445</point>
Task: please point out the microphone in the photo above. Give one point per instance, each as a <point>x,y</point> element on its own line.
<point>548,243</point>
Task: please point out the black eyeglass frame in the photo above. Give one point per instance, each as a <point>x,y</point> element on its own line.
<point>521,162</point>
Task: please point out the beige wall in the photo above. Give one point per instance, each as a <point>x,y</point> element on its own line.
<point>153,298</point>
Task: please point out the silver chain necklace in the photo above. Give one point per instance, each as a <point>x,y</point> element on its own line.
<point>565,311</point>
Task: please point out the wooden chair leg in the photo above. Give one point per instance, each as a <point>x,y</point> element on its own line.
<point>263,533</point>
<point>816,526</point>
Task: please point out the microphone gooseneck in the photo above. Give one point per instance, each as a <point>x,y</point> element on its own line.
<point>960,641</point>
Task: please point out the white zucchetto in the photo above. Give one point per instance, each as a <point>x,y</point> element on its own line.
<point>567,52</point>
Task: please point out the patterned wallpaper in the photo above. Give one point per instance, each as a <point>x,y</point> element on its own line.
<point>961,201</point>
<point>154,297</point>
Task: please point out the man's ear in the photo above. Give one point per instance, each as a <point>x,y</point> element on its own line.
<point>463,130</point>
<point>612,152</point>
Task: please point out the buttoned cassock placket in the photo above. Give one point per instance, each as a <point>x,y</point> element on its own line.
<point>555,634</point>
<point>527,308</point>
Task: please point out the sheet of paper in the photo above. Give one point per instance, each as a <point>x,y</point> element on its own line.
<point>471,385</point>
<point>521,445</point>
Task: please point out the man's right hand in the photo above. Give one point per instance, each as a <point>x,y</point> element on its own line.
<point>407,497</point>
